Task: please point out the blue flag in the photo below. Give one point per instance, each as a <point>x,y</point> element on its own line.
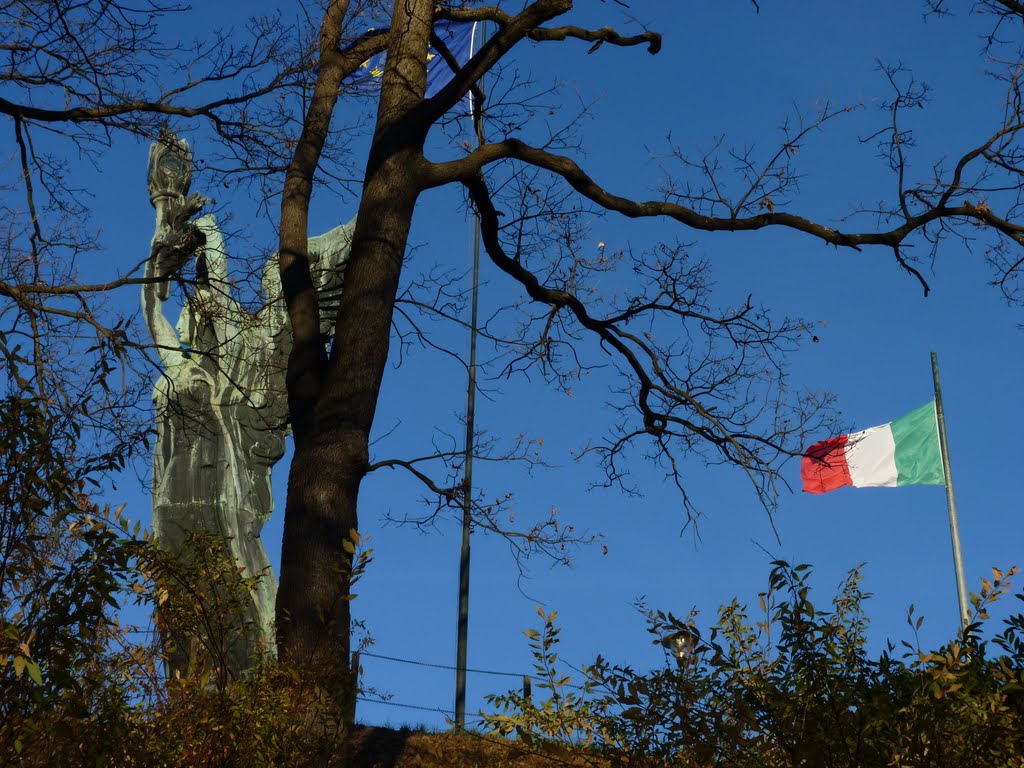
<point>459,37</point>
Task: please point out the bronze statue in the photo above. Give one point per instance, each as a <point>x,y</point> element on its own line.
<point>221,404</point>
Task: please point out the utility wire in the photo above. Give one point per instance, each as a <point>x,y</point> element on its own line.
<point>440,666</point>
<point>406,706</point>
<point>478,671</point>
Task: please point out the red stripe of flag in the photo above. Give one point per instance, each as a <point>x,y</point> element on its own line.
<point>823,467</point>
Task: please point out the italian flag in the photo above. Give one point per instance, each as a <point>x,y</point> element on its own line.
<point>902,452</point>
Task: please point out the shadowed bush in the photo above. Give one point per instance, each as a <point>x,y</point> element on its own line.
<point>788,685</point>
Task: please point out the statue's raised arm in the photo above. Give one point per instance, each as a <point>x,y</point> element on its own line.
<point>175,240</point>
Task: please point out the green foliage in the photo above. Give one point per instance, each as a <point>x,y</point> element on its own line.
<point>77,688</point>
<point>567,721</point>
<point>210,714</point>
<point>63,562</point>
<point>204,608</point>
<point>786,685</point>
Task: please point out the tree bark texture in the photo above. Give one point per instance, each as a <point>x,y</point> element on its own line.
<point>334,399</point>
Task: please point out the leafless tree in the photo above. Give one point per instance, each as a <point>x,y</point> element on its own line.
<point>76,76</point>
<point>716,388</point>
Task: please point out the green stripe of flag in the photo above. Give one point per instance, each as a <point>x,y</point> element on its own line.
<point>918,460</point>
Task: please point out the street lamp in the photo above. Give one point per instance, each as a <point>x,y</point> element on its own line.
<point>682,643</point>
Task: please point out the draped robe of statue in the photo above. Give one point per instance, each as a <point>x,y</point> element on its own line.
<point>222,414</point>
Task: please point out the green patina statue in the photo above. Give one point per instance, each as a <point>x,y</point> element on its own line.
<point>221,404</point>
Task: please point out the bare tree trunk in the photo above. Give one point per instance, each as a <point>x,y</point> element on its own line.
<point>333,411</point>
<point>332,458</point>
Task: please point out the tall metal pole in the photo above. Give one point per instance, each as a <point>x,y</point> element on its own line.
<point>462,629</point>
<point>954,526</point>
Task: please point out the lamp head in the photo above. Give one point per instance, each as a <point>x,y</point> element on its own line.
<point>682,643</point>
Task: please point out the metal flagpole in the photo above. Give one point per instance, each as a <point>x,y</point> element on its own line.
<point>462,629</point>
<point>954,527</point>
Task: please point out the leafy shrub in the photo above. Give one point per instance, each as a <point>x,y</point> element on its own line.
<point>77,688</point>
<point>63,562</point>
<point>791,685</point>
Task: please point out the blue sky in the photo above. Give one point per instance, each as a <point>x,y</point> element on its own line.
<point>724,71</point>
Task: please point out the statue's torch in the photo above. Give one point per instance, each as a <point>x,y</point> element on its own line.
<point>169,178</point>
